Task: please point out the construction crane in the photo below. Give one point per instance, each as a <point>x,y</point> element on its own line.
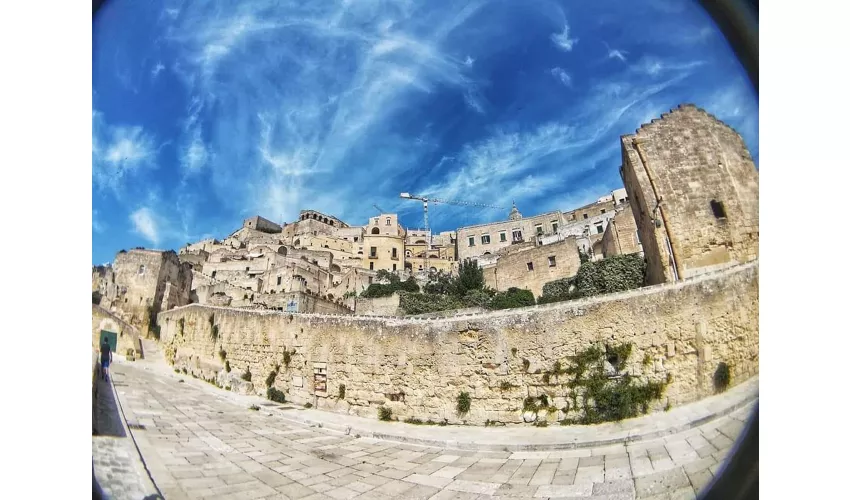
<point>425,200</point>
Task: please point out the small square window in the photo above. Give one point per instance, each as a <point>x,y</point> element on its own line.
<point>599,229</point>
<point>603,211</point>
<point>472,241</point>
<point>552,261</point>
<point>485,239</point>
<point>718,209</point>
<point>585,216</point>
<point>530,266</point>
<point>503,237</point>
<point>539,229</point>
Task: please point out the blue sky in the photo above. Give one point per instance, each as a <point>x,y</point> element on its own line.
<point>205,113</point>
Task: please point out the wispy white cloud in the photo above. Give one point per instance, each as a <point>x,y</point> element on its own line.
<point>562,40</point>
<point>562,76</point>
<point>194,155</point>
<point>653,66</point>
<point>156,69</point>
<point>617,54</point>
<point>119,151</point>
<point>96,224</point>
<point>350,69</point>
<point>145,224</point>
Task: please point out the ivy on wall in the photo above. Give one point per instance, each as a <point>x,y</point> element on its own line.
<point>601,395</point>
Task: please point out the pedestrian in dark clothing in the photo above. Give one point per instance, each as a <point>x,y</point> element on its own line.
<point>105,359</point>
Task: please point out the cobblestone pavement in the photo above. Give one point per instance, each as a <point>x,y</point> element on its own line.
<point>197,445</point>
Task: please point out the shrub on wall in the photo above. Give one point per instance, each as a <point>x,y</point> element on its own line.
<point>722,377</point>
<point>385,413</point>
<point>614,274</point>
<point>376,290</point>
<point>421,303</point>
<point>247,375</point>
<point>463,403</point>
<point>513,297</point>
<point>275,395</point>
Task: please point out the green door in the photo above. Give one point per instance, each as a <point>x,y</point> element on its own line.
<point>111,338</point>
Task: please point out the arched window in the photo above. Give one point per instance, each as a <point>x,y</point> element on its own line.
<point>375,230</point>
<point>142,269</point>
<point>296,243</point>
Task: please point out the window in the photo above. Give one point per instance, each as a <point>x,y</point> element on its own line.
<point>503,237</point>
<point>485,239</point>
<point>539,229</point>
<point>517,235</point>
<point>395,253</point>
<point>278,281</point>
<point>373,252</point>
<point>599,228</point>
<point>371,268</point>
<point>355,239</point>
<point>387,222</point>
<point>718,209</point>
<point>375,230</point>
<point>622,200</point>
<point>393,267</point>
<point>554,227</point>
<point>603,211</point>
<point>530,266</point>
<point>247,269</point>
<point>472,241</point>
<point>213,274</point>
<point>420,267</point>
<point>552,261</point>
<point>585,216</point>
<point>370,280</point>
<point>142,269</point>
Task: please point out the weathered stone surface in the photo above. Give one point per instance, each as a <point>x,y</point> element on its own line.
<point>418,368</point>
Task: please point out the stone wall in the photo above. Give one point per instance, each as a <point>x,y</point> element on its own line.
<point>419,367</point>
<point>621,236</point>
<point>378,306</point>
<point>512,270</point>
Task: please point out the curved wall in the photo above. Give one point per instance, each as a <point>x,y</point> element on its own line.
<point>419,367</point>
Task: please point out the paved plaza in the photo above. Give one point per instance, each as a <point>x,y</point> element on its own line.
<point>198,441</point>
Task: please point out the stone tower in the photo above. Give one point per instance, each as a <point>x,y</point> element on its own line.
<point>514,215</point>
<point>693,189</point>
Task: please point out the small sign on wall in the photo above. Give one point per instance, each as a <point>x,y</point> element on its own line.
<point>320,379</point>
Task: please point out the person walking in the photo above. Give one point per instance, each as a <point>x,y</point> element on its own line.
<point>105,359</point>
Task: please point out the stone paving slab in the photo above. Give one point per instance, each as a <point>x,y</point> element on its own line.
<point>205,445</point>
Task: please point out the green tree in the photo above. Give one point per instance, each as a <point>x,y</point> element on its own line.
<point>469,277</point>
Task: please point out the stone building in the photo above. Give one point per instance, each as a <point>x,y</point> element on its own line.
<point>486,239</point>
<point>383,243</point>
<point>621,235</point>
<point>531,267</point>
<point>693,188</point>
<point>143,283</point>
<point>261,224</point>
